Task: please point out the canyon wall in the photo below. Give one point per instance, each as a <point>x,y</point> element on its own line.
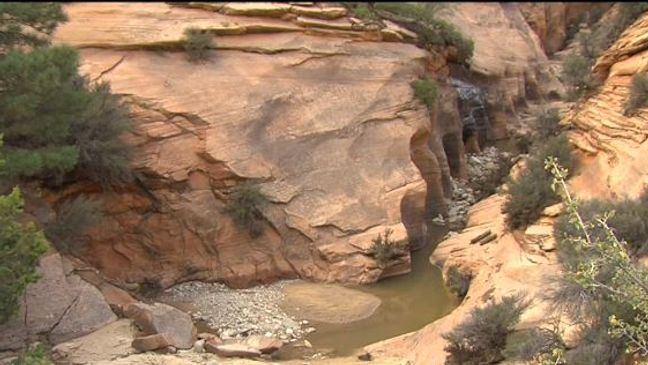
<point>315,109</point>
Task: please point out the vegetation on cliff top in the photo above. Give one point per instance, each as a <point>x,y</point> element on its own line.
<point>421,19</point>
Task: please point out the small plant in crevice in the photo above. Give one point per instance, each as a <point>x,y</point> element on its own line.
<point>197,43</point>
<point>458,281</point>
<point>482,337</point>
<point>36,355</point>
<point>74,218</point>
<point>384,249</point>
<point>638,94</point>
<point>245,207</point>
<point>426,90</point>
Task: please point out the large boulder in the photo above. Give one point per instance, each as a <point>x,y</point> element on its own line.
<point>327,126</point>
<point>173,325</point>
<point>60,305</point>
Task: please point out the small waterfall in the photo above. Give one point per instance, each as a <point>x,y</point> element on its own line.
<point>472,108</point>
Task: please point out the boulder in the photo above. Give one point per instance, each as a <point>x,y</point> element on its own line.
<point>233,350</point>
<point>59,305</point>
<point>265,345</point>
<point>176,326</point>
<point>105,344</point>
<point>150,342</point>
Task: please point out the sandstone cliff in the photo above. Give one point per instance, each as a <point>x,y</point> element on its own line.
<point>316,110</point>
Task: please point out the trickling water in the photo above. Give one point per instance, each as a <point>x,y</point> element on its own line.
<point>472,108</point>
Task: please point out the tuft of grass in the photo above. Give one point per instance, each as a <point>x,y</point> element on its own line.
<point>384,249</point>
<point>426,90</point>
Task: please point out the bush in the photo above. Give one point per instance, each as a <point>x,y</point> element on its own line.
<point>628,222</point>
<point>431,30</point>
<point>546,125</point>
<point>426,90</point>
<point>21,246</point>
<point>245,206</point>
<point>18,16</point>
<point>74,217</point>
<point>638,94</point>
<point>530,344</point>
<point>458,281</point>
<point>481,338</point>
<point>197,44</point>
<point>531,192</point>
<point>36,356</point>
<point>576,73</point>
<point>384,249</point>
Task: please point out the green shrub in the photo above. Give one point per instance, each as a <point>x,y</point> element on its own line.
<point>638,94</point>
<point>38,355</point>
<point>74,217</point>
<point>244,207</point>
<point>426,90</point>
<point>197,44</point>
<point>362,11</point>
<point>21,246</point>
<point>384,249</point>
<point>481,338</point>
<point>458,281</point>
<point>531,192</point>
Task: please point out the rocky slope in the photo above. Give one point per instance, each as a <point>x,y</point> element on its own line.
<point>609,147</point>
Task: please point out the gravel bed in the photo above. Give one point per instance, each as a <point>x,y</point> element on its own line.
<point>236,313</point>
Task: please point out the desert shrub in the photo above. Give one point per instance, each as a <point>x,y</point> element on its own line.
<point>38,355</point>
<point>384,249</point>
<point>458,281</point>
<point>602,271</point>
<point>244,207</point>
<point>638,94</point>
<point>577,75</point>
<point>530,344</point>
<point>426,90</point>
<point>197,44</point>
<point>74,218</point>
<point>481,338</point>
<point>628,222</point>
<point>531,192</point>
<point>430,29</point>
<point>21,246</point>
<point>546,124</point>
<point>362,11</point>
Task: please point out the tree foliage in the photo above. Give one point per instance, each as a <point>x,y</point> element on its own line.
<point>28,23</point>
<point>53,121</point>
<point>74,218</point>
<point>426,91</point>
<point>21,245</point>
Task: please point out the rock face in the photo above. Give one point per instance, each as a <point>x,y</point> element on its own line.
<point>327,126</point>
<point>551,21</point>
<point>60,306</point>
<point>508,59</point>
<point>611,144</point>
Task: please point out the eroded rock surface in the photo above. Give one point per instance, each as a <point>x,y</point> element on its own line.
<point>327,126</point>
<point>59,306</point>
